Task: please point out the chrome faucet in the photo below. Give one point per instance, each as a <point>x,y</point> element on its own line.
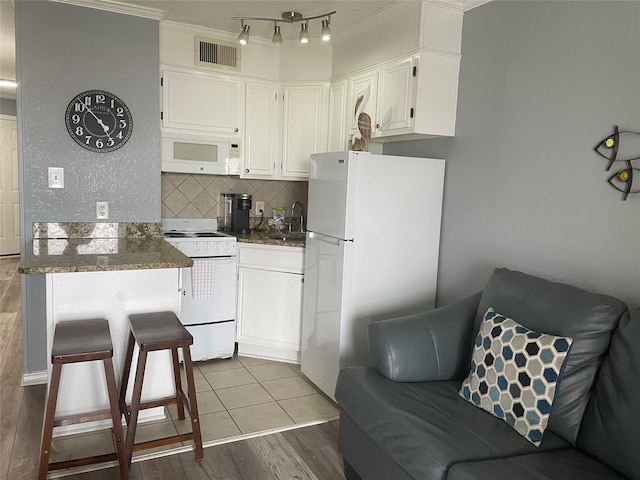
<point>293,208</point>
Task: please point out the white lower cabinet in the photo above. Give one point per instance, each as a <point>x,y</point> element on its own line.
<point>270,282</point>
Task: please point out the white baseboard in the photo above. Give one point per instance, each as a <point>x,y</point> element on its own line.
<point>34,378</point>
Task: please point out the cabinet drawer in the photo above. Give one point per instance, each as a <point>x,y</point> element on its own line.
<point>280,259</point>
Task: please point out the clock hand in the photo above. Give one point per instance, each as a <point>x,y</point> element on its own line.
<point>104,127</point>
<point>100,122</point>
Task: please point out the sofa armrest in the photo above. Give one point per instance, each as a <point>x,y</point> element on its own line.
<point>432,345</point>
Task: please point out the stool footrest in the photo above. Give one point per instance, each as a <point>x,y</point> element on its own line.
<point>86,417</point>
<point>162,441</point>
<point>81,462</point>
<point>156,403</point>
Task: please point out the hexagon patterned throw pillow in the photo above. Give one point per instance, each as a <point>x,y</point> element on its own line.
<point>515,373</point>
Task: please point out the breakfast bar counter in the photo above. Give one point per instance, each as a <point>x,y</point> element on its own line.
<point>110,271</point>
<point>59,255</point>
<point>97,247</point>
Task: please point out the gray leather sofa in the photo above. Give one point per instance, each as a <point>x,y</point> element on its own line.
<point>404,419</point>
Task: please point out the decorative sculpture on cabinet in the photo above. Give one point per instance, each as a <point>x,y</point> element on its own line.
<point>360,142</point>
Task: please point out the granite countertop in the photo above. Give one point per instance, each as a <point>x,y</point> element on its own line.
<point>97,247</point>
<point>263,237</point>
<point>86,247</point>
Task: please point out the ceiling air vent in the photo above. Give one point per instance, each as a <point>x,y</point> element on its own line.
<point>216,53</point>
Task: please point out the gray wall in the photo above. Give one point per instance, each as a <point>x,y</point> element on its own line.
<point>63,50</point>
<point>540,84</point>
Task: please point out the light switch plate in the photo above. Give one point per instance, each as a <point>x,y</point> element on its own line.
<point>56,177</point>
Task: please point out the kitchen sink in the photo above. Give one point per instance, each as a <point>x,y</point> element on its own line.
<point>284,236</point>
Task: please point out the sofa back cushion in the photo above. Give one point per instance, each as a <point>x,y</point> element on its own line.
<point>561,310</point>
<point>611,423</point>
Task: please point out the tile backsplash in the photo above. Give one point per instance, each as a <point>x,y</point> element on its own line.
<point>198,196</point>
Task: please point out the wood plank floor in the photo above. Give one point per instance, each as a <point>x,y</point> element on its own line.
<point>306,453</point>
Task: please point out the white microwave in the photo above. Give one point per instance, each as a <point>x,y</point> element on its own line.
<point>186,153</point>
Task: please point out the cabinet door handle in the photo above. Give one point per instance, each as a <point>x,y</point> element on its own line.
<point>235,130</point>
<point>246,170</point>
<point>378,126</point>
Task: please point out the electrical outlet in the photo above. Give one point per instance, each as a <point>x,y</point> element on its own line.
<point>102,210</point>
<point>259,206</point>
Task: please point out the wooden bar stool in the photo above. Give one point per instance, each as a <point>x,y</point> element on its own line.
<point>152,332</point>
<point>74,342</point>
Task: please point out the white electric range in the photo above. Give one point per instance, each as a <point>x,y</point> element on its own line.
<point>208,289</point>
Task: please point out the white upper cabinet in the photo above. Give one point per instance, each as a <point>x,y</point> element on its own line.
<point>410,97</point>
<point>412,75</point>
<point>262,130</point>
<point>395,106</point>
<point>389,94</point>
<point>203,102</point>
<point>337,133</point>
<point>304,128</point>
<point>282,134</point>
<point>365,84</point>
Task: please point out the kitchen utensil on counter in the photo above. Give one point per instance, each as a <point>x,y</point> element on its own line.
<point>226,209</point>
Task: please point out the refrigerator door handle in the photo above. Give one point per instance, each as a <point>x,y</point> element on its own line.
<point>327,238</point>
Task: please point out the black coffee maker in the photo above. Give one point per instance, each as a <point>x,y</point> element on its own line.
<point>240,213</point>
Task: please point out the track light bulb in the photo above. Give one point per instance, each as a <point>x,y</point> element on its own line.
<point>243,38</point>
<point>325,33</point>
<point>277,36</point>
<point>304,33</point>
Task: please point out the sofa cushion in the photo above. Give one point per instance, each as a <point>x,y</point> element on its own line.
<point>557,465</point>
<point>426,427</point>
<point>565,311</point>
<point>611,425</point>
<point>514,373</point>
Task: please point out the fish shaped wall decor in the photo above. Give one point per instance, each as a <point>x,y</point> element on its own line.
<point>621,146</point>
<point>622,180</point>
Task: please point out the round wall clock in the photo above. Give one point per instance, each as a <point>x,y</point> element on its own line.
<point>99,121</point>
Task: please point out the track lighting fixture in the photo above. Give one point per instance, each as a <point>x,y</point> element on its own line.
<point>277,36</point>
<point>243,38</point>
<point>325,33</point>
<point>304,33</point>
<point>287,17</point>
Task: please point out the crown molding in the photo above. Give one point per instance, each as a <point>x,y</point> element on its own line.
<point>471,4</point>
<point>118,7</point>
<point>374,20</point>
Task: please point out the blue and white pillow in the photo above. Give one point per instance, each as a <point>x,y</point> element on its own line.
<point>515,373</point>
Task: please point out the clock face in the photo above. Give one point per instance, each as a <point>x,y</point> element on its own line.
<point>99,121</point>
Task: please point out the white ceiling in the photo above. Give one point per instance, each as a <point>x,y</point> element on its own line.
<point>216,14</point>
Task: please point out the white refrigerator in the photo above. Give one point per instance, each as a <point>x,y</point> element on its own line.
<point>373,234</point>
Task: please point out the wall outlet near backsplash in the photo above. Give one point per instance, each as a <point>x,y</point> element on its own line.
<point>198,196</point>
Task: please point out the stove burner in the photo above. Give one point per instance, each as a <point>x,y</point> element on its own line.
<point>175,234</point>
<point>207,234</point>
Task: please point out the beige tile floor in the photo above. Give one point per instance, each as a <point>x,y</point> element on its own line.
<point>237,397</point>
